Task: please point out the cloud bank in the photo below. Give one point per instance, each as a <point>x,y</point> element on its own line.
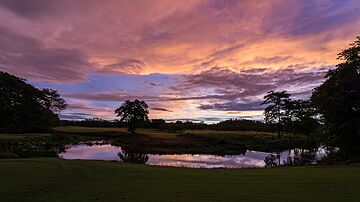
<point>195,59</point>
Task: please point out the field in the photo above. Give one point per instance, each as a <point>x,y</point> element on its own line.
<point>113,131</point>
<point>6,136</point>
<point>229,133</point>
<point>50,179</point>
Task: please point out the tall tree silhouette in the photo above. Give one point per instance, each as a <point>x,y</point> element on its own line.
<point>133,113</point>
<point>52,102</point>
<point>24,108</point>
<point>338,100</point>
<point>276,110</point>
<point>302,117</point>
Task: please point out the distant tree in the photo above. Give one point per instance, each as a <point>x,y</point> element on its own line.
<point>276,110</point>
<point>240,124</point>
<point>338,101</point>
<point>133,113</point>
<point>157,123</point>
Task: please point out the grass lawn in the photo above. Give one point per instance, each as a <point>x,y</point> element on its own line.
<point>162,134</point>
<point>77,129</point>
<point>51,179</point>
<point>216,132</point>
<point>6,136</point>
<point>114,131</point>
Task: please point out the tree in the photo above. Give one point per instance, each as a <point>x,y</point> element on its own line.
<point>276,111</point>
<point>302,117</point>
<point>338,101</point>
<point>22,106</point>
<point>52,101</point>
<point>158,123</point>
<point>133,113</point>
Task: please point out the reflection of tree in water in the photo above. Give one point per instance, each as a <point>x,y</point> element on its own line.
<point>298,158</point>
<point>133,157</point>
<point>302,157</point>
<point>272,160</point>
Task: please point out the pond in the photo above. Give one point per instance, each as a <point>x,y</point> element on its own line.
<point>108,152</point>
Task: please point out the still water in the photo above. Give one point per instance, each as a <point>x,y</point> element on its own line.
<point>108,152</point>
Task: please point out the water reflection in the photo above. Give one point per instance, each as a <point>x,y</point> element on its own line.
<point>296,157</point>
<point>133,157</point>
<point>249,159</point>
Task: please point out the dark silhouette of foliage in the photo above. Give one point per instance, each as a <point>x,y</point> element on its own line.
<point>52,100</point>
<point>301,117</point>
<point>53,103</point>
<point>157,123</point>
<point>276,110</point>
<point>240,124</point>
<point>24,108</point>
<point>133,157</point>
<point>338,101</point>
<point>133,113</point>
<point>272,160</point>
<point>94,122</point>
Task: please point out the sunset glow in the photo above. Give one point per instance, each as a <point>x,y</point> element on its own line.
<point>199,60</point>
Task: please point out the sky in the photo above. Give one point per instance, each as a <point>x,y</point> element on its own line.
<point>199,60</point>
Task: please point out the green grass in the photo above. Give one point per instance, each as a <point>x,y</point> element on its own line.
<point>234,133</point>
<point>161,134</point>
<point>114,131</point>
<point>60,180</point>
<point>77,129</point>
<point>216,132</point>
<point>6,136</point>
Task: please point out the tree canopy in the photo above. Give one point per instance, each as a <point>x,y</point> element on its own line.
<point>338,101</point>
<point>133,113</point>
<point>276,110</point>
<point>24,108</point>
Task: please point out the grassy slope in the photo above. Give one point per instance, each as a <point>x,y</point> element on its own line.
<point>61,180</point>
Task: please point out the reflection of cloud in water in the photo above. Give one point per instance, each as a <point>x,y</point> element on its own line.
<point>250,159</point>
<point>93,152</point>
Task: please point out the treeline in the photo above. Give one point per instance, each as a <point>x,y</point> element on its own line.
<point>24,108</point>
<point>291,116</point>
<point>332,113</point>
<point>227,125</point>
<point>95,122</point>
<point>178,126</point>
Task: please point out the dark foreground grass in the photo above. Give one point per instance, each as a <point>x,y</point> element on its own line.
<point>60,180</point>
